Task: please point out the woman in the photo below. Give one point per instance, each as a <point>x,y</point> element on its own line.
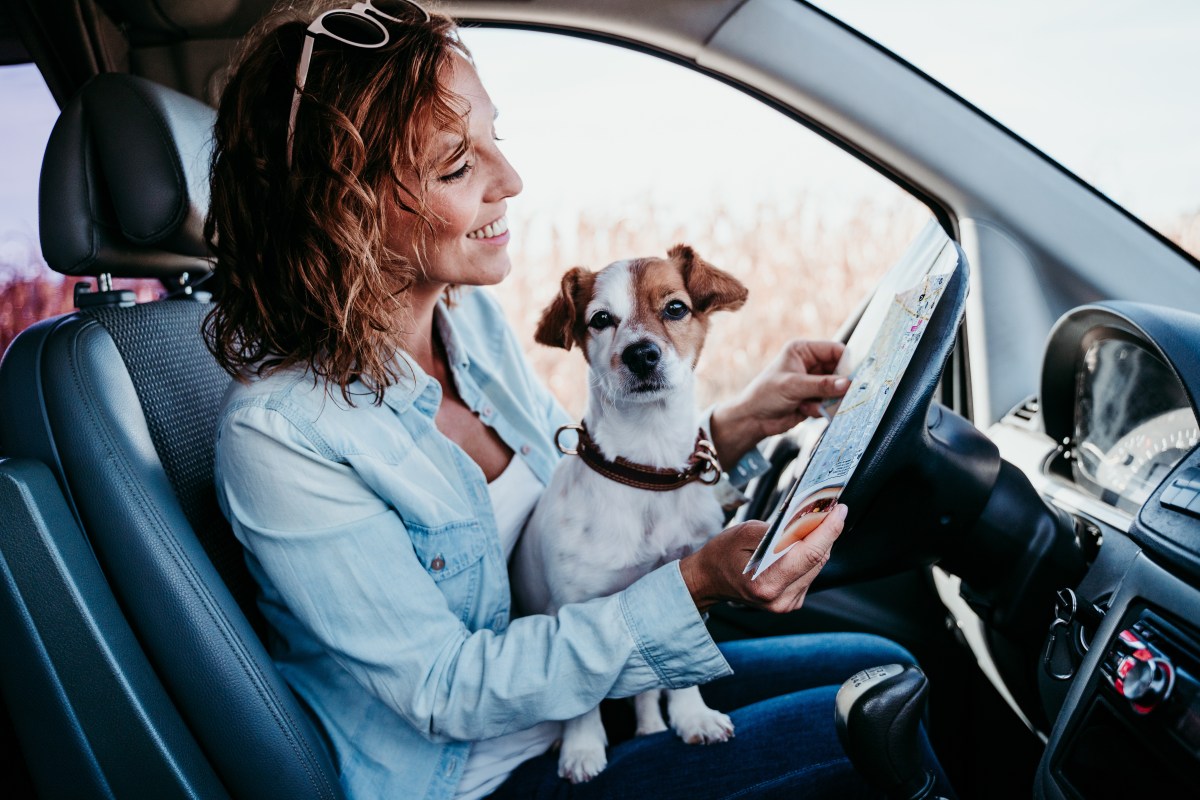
<point>377,406</point>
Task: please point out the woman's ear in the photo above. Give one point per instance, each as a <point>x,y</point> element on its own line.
<point>711,289</point>
<point>561,324</point>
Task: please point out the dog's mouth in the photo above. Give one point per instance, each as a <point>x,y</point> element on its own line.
<point>648,387</point>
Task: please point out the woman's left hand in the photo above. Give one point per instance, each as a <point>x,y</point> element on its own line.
<point>788,391</point>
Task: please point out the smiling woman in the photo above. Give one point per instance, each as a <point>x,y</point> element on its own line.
<point>381,427</point>
<point>135,661</point>
<point>468,199</point>
<point>326,200</point>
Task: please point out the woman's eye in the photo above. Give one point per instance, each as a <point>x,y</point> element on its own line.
<point>600,320</point>
<point>458,174</point>
<point>675,310</point>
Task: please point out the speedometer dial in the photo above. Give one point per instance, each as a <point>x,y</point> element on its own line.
<point>1133,422</point>
<point>1139,461</point>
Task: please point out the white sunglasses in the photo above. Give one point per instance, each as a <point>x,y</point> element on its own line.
<point>358,26</point>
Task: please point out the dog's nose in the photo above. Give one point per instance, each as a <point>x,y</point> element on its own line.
<point>641,357</point>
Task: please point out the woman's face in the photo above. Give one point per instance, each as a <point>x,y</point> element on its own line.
<point>468,244</point>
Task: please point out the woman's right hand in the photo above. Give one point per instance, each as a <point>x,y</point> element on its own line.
<point>714,572</point>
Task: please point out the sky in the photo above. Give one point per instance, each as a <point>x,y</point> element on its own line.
<point>1106,87</point>
<point>1103,86</point>
<point>24,128</point>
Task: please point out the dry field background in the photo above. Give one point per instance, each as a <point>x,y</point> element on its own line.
<point>807,270</point>
<point>27,299</point>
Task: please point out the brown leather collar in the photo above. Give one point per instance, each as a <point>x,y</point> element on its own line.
<point>702,465</point>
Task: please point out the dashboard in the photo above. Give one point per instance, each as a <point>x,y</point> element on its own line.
<point>1112,442</point>
<point>1067,545</point>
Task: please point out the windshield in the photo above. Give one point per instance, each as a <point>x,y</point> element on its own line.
<point>1104,87</point>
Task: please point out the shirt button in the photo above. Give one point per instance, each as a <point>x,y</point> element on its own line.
<point>525,449</point>
<point>487,411</point>
<point>438,563</point>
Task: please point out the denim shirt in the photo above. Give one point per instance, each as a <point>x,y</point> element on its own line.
<point>372,537</point>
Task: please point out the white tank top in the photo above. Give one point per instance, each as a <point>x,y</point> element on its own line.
<point>514,493</point>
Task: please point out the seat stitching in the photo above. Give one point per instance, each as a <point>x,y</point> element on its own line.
<point>187,570</point>
<point>85,157</point>
<point>176,165</point>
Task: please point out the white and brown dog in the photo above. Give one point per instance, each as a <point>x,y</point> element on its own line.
<point>600,525</point>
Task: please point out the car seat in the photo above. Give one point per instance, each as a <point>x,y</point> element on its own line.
<point>132,663</point>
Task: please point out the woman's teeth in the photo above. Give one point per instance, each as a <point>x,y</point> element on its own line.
<point>490,230</point>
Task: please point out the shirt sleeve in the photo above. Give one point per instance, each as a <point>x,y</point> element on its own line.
<point>749,467</point>
<point>344,564</point>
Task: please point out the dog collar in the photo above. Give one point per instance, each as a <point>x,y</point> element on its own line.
<point>702,465</point>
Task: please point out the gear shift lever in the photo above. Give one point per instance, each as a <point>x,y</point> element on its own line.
<point>878,715</point>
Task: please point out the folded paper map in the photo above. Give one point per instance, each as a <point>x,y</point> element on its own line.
<point>878,353</point>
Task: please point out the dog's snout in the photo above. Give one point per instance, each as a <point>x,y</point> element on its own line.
<point>641,357</point>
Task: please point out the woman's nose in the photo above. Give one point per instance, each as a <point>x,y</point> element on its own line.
<point>507,182</point>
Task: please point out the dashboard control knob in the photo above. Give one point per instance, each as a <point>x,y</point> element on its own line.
<point>1145,681</point>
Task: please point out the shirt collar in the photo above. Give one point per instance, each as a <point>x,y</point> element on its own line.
<point>420,389</point>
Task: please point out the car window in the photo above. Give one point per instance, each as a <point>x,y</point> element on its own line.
<point>624,155</point>
<point>1103,87</point>
<point>29,291</point>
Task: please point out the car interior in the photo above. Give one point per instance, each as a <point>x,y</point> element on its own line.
<point>1026,519</point>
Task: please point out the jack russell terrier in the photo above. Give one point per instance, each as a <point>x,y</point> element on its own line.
<point>640,493</point>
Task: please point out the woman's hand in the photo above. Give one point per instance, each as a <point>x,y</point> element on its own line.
<point>789,390</point>
<point>714,572</point>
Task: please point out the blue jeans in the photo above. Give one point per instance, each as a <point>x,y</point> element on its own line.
<point>780,698</point>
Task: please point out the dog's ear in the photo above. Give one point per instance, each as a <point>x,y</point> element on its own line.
<point>711,289</point>
<point>562,324</point>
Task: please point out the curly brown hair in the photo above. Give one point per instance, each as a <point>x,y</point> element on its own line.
<point>303,271</point>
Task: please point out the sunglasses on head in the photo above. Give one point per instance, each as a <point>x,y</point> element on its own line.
<point>360,25</point>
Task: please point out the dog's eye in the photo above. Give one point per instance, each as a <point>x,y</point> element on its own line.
<point>600,320</point>
<point>675,310</point>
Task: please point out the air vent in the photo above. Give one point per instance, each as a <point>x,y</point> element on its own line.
<point>1027,412</point>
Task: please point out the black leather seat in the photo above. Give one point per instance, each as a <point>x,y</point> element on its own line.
<point>131,665</point>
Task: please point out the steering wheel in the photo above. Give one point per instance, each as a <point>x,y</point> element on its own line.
<point>926,474</point>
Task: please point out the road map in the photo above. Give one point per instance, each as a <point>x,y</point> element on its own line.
<point>876,357</point>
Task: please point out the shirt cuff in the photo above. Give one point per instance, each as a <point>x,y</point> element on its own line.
<point>669,632</point>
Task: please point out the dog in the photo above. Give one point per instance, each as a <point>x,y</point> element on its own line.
<point>599,527</point>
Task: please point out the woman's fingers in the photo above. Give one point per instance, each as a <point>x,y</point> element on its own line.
<point>818,356</point>
<point>800,565</point>
<point>808,391</point>
<point>714,572</point>
<point>811,552</point>
<point>809,387</point>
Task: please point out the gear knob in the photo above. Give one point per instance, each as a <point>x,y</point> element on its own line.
<point>879,714</point>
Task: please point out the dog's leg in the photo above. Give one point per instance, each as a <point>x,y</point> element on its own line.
<point>695,722</point>
<point>649,713</point>
<point>582,756</point>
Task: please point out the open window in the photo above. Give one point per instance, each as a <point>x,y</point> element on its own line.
<point>624,155</point>
<point>29,291</point>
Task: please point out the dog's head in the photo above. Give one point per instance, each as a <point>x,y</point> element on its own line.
<point>642,323</point>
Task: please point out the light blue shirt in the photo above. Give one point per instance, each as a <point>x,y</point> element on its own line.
<point>383,579</point>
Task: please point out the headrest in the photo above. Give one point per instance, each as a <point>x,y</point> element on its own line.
<point>124,185</point>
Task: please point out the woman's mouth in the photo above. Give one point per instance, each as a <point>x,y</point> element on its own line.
<point>493,230</point>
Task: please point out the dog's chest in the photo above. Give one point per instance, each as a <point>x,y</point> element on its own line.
<point>641,529</point>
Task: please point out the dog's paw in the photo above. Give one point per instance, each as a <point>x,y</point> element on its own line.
<point>579,763</point>
<point>702,726</point>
